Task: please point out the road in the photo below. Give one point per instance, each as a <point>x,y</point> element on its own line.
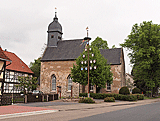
<point>149,112</point>
<point>127,111</point>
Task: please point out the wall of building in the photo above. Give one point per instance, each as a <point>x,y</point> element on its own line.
<point>61,69</point>
<point>1,65</point>
<point>11,79</point>
<point>118,78</point>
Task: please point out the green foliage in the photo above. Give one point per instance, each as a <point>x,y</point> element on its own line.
<point>35,67</point>
<point>27,83</point>
<point>83,94</point>
<point>129,97</point>
<point>100,44</point>
<point>136,91</point>
<point>140,96</point>
<point>86,100</point>
<point>116,96</point>
<point>124,91</point>
<point>113,46</point>
<point>144,43</point>
<point>99,76</point>
<point>109,99</point>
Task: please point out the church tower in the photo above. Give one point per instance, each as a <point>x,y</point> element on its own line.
<point>54,32</point>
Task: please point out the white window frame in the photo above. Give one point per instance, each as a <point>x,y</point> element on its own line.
<point>108,86</point>
<point>69,83</point>
<point>53,83</point>
<point>91,87</point>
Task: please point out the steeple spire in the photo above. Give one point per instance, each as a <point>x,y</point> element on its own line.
<point>55,18</point>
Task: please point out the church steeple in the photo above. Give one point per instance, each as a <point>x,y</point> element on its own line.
<point>55,18</point>
<point>54,32</point>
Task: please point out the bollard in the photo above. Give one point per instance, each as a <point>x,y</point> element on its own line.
<point>25,98</point>
<point>47,98</point>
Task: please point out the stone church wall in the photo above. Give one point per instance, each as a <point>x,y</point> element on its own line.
<point>61,69</point>
<point>117,81</point>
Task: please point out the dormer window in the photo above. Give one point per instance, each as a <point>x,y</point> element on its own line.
<point>52,36</point>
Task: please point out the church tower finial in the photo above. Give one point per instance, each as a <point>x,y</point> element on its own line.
<point>55,18</point>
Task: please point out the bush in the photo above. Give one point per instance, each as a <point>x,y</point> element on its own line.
<point>130,97</point>
<point>116,96</point>
<point>83,94</point>
<point>86,100</point>
<point>124,91</point>
<point>109,99</point>
<point>140,96</point>
<point>136,91</point>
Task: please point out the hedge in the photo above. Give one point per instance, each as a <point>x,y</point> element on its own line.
<point>136,91</point>
<point>86,100</point>
<point>124,91</point>
<point>109,99</point>
<point>116,96</point>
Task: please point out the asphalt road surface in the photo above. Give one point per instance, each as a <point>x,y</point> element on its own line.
<point>150,112</point>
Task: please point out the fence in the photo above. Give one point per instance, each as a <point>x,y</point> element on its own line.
<point>7,100</point>
<point>41,98</point>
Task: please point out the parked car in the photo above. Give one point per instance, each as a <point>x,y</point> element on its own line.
<point>37,92</point>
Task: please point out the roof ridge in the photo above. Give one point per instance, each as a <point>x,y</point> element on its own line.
<point>71,40</point>
<point>110,49</point>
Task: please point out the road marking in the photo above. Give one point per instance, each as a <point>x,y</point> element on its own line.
<point>26,114</point>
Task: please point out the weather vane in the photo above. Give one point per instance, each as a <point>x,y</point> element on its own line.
<point>87,31</point>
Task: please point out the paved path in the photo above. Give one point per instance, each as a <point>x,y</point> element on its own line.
<point>17,111</point>
<point>74,111</point>
<point>45,104</point>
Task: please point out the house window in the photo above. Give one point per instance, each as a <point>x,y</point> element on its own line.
<point>108,86</point>
<point>52,36</point>
<point>69,83</point>
<point>91,87</point>
<point>53,83</point>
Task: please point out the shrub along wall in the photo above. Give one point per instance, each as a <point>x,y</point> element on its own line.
<point>116,96</point>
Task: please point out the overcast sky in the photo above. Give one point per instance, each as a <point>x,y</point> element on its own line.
<point>24,23</point>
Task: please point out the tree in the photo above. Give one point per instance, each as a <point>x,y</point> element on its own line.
<point>99,43</point>
<point>27,83</point>
<point>99,76</point>
<point>144,45</point>
<point>35,67</point>
<point>113,46</point>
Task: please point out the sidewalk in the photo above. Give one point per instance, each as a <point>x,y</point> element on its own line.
<point>101,103</point>
<point>11,109</point>
<point>14,110</point>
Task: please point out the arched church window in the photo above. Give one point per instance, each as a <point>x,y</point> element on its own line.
<point>69,83</point>
<point>53,83</point>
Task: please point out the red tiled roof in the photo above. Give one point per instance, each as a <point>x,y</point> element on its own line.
<point>17,64</point>
<point>3,56</point>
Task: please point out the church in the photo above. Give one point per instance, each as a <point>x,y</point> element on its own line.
<point>60,55</point>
